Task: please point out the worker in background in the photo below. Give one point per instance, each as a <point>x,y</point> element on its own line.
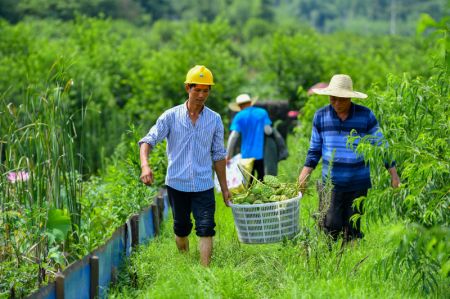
<point>250,124</point>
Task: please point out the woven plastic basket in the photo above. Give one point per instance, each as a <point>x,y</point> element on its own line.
<point>267,222</point>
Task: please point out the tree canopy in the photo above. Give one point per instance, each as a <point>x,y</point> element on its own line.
<point>360,16</point>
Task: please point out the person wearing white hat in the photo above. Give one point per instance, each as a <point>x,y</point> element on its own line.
<point>250,124</point>
<point>349,173</point>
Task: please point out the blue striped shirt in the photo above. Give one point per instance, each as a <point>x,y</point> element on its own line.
<point>191,149</point>
<point>349,172</point>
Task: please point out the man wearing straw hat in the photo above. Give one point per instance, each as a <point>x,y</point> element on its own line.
<point>250,123</point>
<point>349,174</point>
<point>195,145</point>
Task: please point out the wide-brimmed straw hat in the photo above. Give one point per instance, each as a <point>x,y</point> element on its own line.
<point>241,99</point>
<point>340,86</point>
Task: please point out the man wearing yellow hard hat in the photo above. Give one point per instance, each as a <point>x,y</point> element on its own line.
<point>195,144</point>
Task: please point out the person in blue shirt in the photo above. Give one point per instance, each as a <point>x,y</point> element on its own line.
<point>195,145</point>
<point>250,124</point>
<point>349,173</point>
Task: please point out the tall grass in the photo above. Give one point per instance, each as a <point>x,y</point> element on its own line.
<point>37,147</point>
<point>51,214</point>
<point>418,134</point>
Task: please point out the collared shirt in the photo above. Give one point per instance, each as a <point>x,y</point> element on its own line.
<point>349,172</point>
<point>250,123</point>
<point>191,148</point>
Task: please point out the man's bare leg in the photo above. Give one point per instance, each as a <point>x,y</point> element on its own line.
<point>206,246</point>
<point>182,243</point>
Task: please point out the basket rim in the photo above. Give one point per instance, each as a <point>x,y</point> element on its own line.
<point>232,205</point>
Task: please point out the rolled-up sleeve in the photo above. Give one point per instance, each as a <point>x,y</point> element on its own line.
<point>158,132</point>
<point>218,151</point>
<point>315,147</point>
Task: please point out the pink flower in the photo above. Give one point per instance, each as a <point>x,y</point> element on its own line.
<point>18,176</point>
<point>292,114</point>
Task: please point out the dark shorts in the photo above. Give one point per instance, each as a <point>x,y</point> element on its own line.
<point>258,170</point>
<point>201,204</point>
<point>337,218</point>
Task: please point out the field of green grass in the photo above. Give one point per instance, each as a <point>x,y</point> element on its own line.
<point>308,266</point>
<point>299,268</point>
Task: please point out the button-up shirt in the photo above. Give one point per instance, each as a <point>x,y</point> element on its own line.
<point>191,148</point>
<point>349,172</point>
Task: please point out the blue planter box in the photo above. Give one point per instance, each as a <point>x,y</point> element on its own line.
<point>77,282</point>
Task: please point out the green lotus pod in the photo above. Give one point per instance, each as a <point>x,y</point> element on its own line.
<point>271,181</point>
<point>273,198</point>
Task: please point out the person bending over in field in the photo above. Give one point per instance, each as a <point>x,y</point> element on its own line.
<point>195,142</point>
<point>349,174</point>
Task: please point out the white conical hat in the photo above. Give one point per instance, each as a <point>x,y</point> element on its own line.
<point>241,99</point>
<point>340,86</point>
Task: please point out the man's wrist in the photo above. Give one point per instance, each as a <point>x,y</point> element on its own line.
<point>146,165</point>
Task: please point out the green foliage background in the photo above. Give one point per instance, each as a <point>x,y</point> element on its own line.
<point>121,73</point>
<point>362,16</point>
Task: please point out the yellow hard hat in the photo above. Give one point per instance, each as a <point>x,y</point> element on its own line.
<point>199,74</point>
